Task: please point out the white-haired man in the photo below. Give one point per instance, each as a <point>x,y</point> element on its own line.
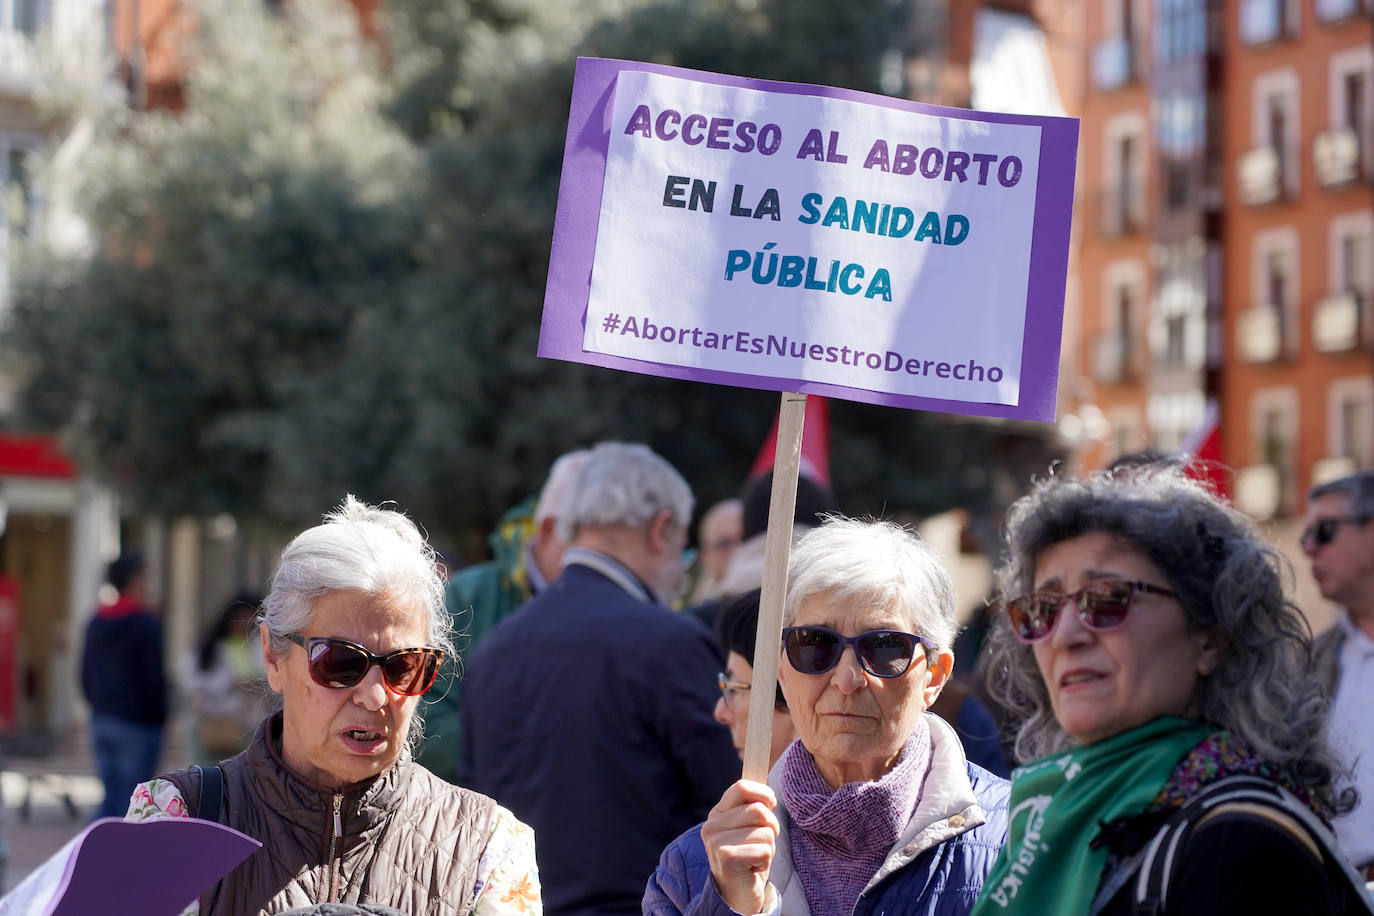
<point>588,712</point>
<point>1339,540</point>
<point>527,554</point>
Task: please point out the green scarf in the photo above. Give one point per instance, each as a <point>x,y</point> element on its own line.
<point>1058,804</point>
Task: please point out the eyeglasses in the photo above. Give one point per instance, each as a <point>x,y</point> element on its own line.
<point>882,653</point>
<point>1102,605</point>
<point>1323,530</point>
<point>729,687</point>
<point>339,663</point>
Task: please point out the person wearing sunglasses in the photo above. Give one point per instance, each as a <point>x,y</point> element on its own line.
<point>1160,676</point>
<point>1338,539</point>
<point>875,808</point>
<point>353,633</point>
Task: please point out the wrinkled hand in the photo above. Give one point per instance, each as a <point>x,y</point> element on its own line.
<point>739,835</point>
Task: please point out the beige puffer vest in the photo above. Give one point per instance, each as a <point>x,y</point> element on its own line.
<point>407,839</point>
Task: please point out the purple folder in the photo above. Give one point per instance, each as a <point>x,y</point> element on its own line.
<point>147,868</point>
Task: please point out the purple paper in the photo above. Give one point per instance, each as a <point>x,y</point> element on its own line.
<point>562,334</point>
<point>147,868</point>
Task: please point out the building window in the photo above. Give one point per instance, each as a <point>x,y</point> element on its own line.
<point>1275,129</point>
<point>1335,10</point>
<point>1117,347</point>
<point>1180,135</point>
<point>1173,417</point>
<point>1122,196</point>
<point>1268,330</point>
<point>19,16</point>
<point>1351,101</point>
<point>1274,448</point>
<point>1180,28</point>
<point>1263,21</point>
<point>1117,58</point>
<point>1350,422</point>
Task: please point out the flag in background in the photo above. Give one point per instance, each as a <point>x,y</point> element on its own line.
<point>1202,448</point>
<point>815,444</point>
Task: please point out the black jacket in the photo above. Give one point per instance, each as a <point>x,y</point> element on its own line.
<point>121,667</point>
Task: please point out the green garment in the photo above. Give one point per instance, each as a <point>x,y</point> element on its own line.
<point>477,599</point>
<point>1060,802</point>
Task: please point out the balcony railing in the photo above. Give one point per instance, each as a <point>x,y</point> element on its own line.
<point>1263,21</point>
<point>1116,62</point>
<point>1121,209</point>
<point>1259,490</point>
<point>1259,334</point>
<point>1336,323</point>
<point>1260,174</point>
<point>1336,156</point>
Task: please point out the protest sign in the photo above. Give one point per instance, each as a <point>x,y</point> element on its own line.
<point>809,239</point>
<point>147,867</point>
<point>812,239</point>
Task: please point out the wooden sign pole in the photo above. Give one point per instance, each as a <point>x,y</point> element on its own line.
<point>777,548</point>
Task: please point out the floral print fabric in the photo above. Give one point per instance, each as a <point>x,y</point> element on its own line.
<point>507,877</point>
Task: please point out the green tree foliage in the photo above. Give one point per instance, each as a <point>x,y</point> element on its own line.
<point>328,273</point>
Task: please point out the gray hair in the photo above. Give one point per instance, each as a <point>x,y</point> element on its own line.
<point>558,490</point>
<point>1227,580</point>
<point>360,548</point>
<point>1358,489</point>
<point>624,484</point>
<point>878,563</point>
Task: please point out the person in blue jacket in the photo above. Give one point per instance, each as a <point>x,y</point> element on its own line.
<point>874,808</point>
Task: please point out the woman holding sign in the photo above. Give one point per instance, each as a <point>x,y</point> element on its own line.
<point>880,810</point>
<point>353,632</point>
<point>1163,682</point>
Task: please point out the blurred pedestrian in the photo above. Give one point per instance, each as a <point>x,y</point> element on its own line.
<point>226,683</point>
<point>720,531</point>
<point>527,554</point>
<point>123,679</point>
<point>588,711</point>
<point>1339,540</point>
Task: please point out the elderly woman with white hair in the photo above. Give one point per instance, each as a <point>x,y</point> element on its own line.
<point>353,632</point>
<point>880,811</point>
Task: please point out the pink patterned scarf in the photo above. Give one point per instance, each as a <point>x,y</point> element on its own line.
<point>840,837</point>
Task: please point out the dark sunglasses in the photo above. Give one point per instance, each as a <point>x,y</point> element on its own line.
<point>339,663</point>
<point>1323,530</point>
<point>1102,605</point>
<point>882,653</point>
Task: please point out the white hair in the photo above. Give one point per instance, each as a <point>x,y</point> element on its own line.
<point>623,483</point>
<point>559,488</point>
<point>360,548</point>
<point>874,562</point>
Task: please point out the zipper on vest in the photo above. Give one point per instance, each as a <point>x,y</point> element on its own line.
<point>333,845</point>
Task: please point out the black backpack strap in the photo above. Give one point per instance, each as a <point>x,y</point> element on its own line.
<point>1249,794</point>
<point>211,803</point>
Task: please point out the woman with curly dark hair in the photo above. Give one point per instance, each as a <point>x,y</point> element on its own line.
<point>1163,686</point>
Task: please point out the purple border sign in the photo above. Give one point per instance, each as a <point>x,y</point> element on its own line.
<point>805,238</point>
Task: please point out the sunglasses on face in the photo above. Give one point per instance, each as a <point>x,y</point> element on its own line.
<point>1323,530</point>
<point>882,653</point>
<point>341,664</point>
<point>1102,605</point>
